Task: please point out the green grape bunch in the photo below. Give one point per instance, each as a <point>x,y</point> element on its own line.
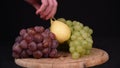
<point>80,42</point>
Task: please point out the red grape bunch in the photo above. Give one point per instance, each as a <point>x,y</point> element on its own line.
<point>35,42</point>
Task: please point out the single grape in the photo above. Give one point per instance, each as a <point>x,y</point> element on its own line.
<point>72,49</point>
<point>37,54</point>
<point>31,31</point>
<point>75,23</point>
<point>32,46</point>
<point>86,28</point>
<point>82,32</point>
<point>52,36</point>
<point>79,49</point>
<point>76,33</point>
<point>89,46</point>
<point>80,38</point>
<point>54,44</point>
<point>40,46</point>
<point>75,55</point>
<point>89,40</point>
<point>84,42</point>
<point>73,37</point>
<point>81,25</point>
<point>62,20</point>
<point>39,29</point>
<point>83,52</point>
<point>38,38</point>
<point>53,53</point>
<point>90,37</point>
<point>25,35</point>
<point>24,54</point>
<point>18,39</point>
<point>69,23</point>
<point>45,35</point>
<point>46,50</point>
<point>17,49</point>
<point>47,31</point>
<point>85,35</point>
<point>76,43</point>
<point>71,44</point>
<point>23,44</point>
<point>28,38</point>
<point>15,44</point>
<point>90,31</point>
<point>46,42</point>
<point>84,46</point>
<point>77,28</point>
<point>22,32</point>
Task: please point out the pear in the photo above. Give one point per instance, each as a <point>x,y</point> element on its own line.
<point>61,30</point>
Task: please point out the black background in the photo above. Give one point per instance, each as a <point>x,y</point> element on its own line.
<point>100,15</point>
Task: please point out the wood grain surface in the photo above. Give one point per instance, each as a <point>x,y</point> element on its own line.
<point>96,57</point>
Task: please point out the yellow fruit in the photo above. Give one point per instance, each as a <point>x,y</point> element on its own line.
<point>61,30</point>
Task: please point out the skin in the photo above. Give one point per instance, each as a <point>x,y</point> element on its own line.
<point>45,8</point>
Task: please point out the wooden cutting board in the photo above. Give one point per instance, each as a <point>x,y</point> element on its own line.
<point>96,57</point>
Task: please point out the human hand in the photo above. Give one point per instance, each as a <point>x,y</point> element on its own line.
<point>47,9</point>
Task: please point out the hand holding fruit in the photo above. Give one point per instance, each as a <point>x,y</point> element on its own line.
<point>45,8</point>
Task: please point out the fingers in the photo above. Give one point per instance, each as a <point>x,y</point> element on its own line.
<point>53,11</point>
<point>43,7</point>
<point>47,9</point>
